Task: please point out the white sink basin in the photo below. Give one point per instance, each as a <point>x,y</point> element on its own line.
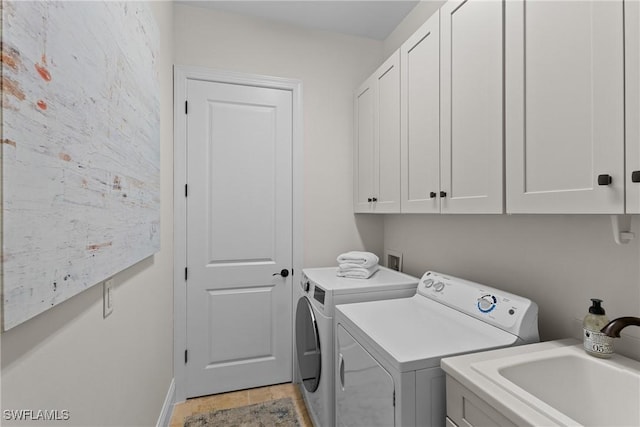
<point>571,387</point>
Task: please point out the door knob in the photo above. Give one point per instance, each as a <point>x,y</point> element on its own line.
<point>635,176</point>
<point>443,194</point>
<point>369,199</point>
<point>374,199</point>
<point>432,194</point>
<point>284,273</point>
<point>604,179</point>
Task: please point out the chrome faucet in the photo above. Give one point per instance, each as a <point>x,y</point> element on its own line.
<point>614,327</point>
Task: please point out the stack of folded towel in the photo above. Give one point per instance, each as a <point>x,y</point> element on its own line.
<point>358,265</point>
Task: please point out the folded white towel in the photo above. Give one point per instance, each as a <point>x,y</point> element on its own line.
<point>362,259</point>
<point>357,272</point>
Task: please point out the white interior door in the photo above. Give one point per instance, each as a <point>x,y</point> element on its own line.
<point>239,233</point>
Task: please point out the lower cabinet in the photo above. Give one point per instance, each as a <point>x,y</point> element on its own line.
<point>464,408</point>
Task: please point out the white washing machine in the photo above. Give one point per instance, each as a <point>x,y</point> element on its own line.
<point>388,352</point>
<point>315,355</point>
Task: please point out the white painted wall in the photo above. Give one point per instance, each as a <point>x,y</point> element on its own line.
<point>558,261</point>
<point>330,66</point>
<point>114,371</point>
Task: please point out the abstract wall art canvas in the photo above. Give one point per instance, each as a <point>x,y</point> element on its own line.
<point>80,148</point>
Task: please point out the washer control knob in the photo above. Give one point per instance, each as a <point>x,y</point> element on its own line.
<point>487,303</point>
<point>428,283</point>
<point>438,286</point>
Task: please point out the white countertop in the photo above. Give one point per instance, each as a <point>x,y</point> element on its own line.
<point>477,373</point>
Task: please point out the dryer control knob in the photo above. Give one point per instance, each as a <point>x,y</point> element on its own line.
<point>428,283</point>
<point>438,286</point>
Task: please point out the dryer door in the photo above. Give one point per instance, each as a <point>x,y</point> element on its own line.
<point>308,345</point>
<point>364,389</point>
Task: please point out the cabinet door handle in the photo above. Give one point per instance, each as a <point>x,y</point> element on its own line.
<point>369,200</point>
<point>635,176</point>
<point>604,179</point>
<point>432,194</point>
<point>443,194</point>
<point>374,199</point>
<point>341,370</point>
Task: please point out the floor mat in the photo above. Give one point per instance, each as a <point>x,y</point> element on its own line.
<point>281,412</point>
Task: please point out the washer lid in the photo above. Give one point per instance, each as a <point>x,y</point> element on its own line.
<point>415,333</point>
<point>383,279</point>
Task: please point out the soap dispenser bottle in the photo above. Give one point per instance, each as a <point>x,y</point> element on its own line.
<point>595,342</point>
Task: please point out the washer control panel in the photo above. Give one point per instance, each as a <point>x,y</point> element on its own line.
<point>487,303</point>
<point>502,309</point>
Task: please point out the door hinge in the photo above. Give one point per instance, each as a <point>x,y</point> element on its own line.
<point>394,398</point>
<point>186,190</point>
<point>186,273</point>
<point>186,356</point>
<point>186,107</point>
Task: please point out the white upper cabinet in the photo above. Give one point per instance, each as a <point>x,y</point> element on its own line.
<point>632,103</point>
<point>564,91</point>
<point>420,119</point>
<point>377,141</point>
<point>363,147</point>
<point>471,107</point>
<point>452,122</point>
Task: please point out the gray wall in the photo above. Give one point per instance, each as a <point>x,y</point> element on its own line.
<point>114,371</point>
<point>558,261</point>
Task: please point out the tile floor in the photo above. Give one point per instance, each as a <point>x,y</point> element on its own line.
<point>235,399</point>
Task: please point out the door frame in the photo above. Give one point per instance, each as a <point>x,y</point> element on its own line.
<point>181,75</point>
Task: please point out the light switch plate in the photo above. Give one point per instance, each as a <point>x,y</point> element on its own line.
<point>107,297</point>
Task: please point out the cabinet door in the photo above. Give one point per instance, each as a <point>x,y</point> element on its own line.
<point>364,389</point>
<point>420,119</point>
<point>471,110</point>
<point>363,147</point>
<point>632,102</point>
<point>564,106</point>
<point>387,137</point>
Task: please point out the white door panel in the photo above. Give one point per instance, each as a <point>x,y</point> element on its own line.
<point>387,185</point>
<point>364,147</point>
<point>632,103</point>
<point>471,107</point>
<point>420,115</point>
<point>564,106</point>
<point>239,233</point>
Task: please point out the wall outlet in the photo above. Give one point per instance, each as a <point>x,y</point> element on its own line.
<point>393,259</point>
<point>107,297</point>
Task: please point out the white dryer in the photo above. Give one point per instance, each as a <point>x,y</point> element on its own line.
<point>388,352</point>
<point>315,355</point>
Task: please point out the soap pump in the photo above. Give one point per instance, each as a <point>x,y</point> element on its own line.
<point>595,342</point>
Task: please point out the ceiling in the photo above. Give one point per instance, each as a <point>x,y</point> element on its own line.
<point>374,19</point>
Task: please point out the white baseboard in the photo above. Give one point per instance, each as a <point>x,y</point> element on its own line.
<point>167,408</point>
